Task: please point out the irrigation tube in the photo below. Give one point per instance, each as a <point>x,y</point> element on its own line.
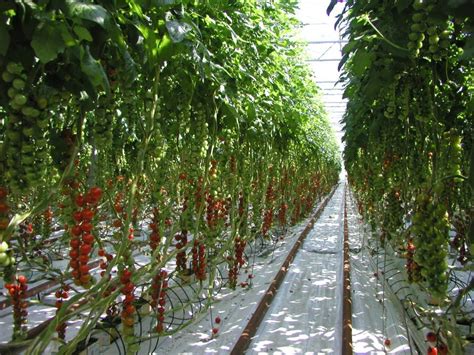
<point>251,328</point>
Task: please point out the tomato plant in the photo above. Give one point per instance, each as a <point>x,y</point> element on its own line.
<point>408,69</point>
<point>181,122</point>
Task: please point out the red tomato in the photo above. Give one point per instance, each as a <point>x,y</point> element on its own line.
<point>86,227</point>
<point>130,297</point>
<point>130,309</point>
<point>88,238</point>
<point>77,215</point>
<point>3,192</point>
<point>85,249</point>
<point>79,200</point>
<point>96,192</point>
<point>76,230</point>
<point>75,243</point>
<point>87,214</point>
<point>4,208</point>
<point>126,274</point>
<point>128,288</point>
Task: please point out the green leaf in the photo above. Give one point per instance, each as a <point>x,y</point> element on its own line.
<point>468,48</point>
<point>360,61</point>
<point>91,12</point>
<point>349,47</point>
<point>331,6</point>
<point>83,33</point>
<point>66,35</point>
<point>47,42</point>
<point>93,69</point>
<point>4,38</point>
<point>343,60</point>
<point>403,4</point>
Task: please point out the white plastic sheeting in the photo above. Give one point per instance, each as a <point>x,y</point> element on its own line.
<point>374,317</point>
<point>306,315</point>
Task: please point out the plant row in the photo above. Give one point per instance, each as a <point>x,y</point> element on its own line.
<point>408,71</point>
<point>196,123</point>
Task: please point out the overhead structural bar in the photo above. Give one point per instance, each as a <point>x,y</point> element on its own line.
<point>321,42</point>
<point>324,60</point>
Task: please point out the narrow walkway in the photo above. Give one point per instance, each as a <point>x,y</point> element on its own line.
<point>374,316</point>
<point>306,315</point>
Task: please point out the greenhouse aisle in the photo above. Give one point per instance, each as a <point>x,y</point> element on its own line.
<point>373,321</point>
<point>306,315</point>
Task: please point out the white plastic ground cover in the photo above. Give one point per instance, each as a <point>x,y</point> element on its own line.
<point>401,293</point>
<point>306,314</point>
<point>234,307</point>
<point>374,317</point>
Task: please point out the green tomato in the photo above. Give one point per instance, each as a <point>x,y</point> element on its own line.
<point>35,113</point>
<point>418,4</point>
<point>18,84</point>
<point>418,27</point>
<point>20,99</point>
<point>42,103</point>
<point>4,259</point>
<point>431,30</point>
<point>11,93</point>
<point>433,39</point>
<point>3,247</point>
<point>30,112</point>
<point>413,36</point>
<point>14,106</point>
<point>14,68</point>
<point>445,34</point>
<point>417,17</point>
<point>7,76</point>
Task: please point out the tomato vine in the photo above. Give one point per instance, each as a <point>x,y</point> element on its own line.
<point>408,70</point>
<point>128,124</point>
